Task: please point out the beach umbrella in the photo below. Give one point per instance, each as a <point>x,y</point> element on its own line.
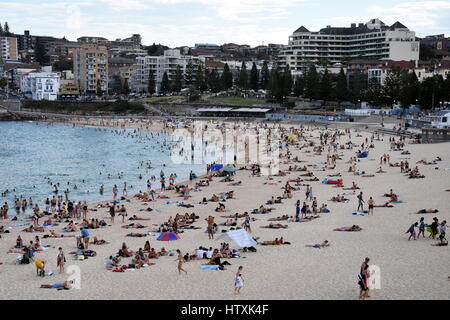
<point>216,167</point>
<point>168,236</point>
<point>229,169</point>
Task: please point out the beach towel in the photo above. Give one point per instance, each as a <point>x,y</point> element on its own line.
<point>209,267</point>
<point>169,203</point>
<point>358,213</point>
<point>399,201</point>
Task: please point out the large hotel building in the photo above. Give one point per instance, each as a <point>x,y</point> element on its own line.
<point>373,40</point>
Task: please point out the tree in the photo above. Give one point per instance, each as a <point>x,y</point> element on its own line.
<point>227,78</point>
<point>286,82</point>
<point>3,83</point>
<point>254,78</point>
<point>213,81</point>
<point>410,88</point>
<point>340,89</point>
<point>190,74</point>
<point>6,30</point>
<point>358,85</point>
<point>373,93</point>
<point>99,91</point>
<point>2,33</point>
<point>200,83</point>
<point>325,85</point>
<point>125,87</point>
<point>264,77</point>
<point>63,64</point>
<point>299,86</point>
<point>427,52</point>
<point>274,85</point>
<point>165,84</point>
<point>40,54</point>
<point>392,85</point>
<point>311,83</point>
<point>151,88</point>
<point>243,77</point>
<point>177,82</point>
<point>432,92</point>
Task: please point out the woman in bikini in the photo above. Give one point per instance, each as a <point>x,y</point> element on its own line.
<point>180,260</point>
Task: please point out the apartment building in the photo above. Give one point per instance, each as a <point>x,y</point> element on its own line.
<point>90,64</point>
<point>373,40</point>
<point>166,63</point>
<point>8,48</point>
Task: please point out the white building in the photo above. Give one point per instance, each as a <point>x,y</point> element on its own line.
<point>373,40</point>
<point>40,85</point>
<point>166,63</point>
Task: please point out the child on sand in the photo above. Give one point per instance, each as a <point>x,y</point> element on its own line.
<point>238,281</point>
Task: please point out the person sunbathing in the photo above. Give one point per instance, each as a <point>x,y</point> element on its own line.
<point>380,171</point>
<point>236,215</point>
<point>227,179</point>
<point>70,227</point>
<point>153,254</point>
<point>238,183</point>
<point>60,285</point>
<point>125,252</point>
<point>386,205</point>
<point>352,228</point>
<point>134,226</point>
<point>339,198</point>
<point>220,208</point>
<point>335,175</point>
<point>422,211</point>
<point>136,235</point>
<point>134,217</point>
<point>99,242</point>
<point>162,196</point>
<point>271,243</point>
<point>394,198</point>
<point>319,245</point>
<point>282,218</point>
<point>34,229</point>
<point>214,198</point>
<point>185,205</point>
<point>275,226</point>
<point>54,234</point>
<point>442,241</point>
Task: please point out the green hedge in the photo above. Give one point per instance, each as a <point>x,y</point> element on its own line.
<point>84,107</point>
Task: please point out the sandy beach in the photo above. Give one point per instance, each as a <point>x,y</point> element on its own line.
<point>409,269</point>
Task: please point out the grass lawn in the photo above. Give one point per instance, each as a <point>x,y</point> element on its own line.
<point>170,99</point>
<point>236,100</point>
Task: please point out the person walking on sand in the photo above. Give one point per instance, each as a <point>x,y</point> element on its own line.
<point>112,212</point>
<point>238,280</point>
<point>412,231</point>
<point>360,202</point>
<point>421,228</point>
<point>180,260</point>
<point>60,260</point>
<point>210,227</point>
<point>115,191</point>
<point>371,203</point>
<point>364,279</point>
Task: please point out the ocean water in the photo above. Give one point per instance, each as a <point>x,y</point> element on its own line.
<point>34,153</point>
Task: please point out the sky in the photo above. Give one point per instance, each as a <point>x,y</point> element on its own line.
<point>186,22</point>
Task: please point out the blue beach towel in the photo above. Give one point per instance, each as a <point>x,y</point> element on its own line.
<point>209,267</point>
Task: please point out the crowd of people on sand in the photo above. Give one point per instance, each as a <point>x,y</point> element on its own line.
<point>77,216</point>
